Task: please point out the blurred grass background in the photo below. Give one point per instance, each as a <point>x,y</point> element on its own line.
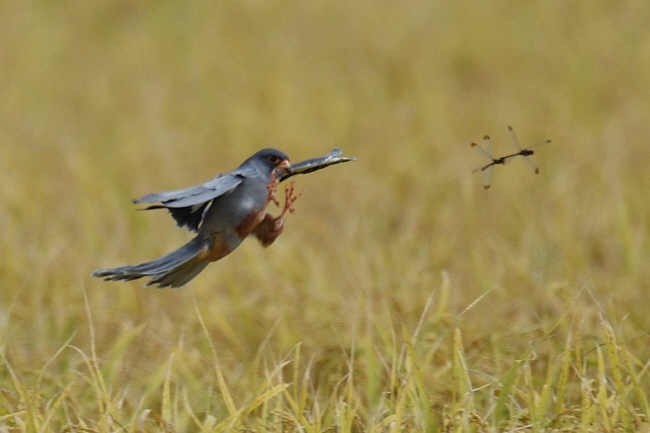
<point>398,275</point>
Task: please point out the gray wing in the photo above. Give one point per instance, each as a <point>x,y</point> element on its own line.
<point>195,194</point>
<point>312,165</point>
<point>188,206</point>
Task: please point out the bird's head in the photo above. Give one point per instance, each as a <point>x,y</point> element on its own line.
<point>270,160</point>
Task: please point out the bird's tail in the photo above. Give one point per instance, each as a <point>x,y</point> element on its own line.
<point>171,270</point>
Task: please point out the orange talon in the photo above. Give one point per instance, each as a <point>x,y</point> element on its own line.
<point>290,199</point>
<point>273,188</point>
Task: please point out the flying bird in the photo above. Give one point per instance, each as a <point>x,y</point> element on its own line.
<point>222,212</point>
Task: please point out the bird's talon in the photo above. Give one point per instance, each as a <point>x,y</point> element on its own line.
<point>290,198</point>
<point>273,188</point>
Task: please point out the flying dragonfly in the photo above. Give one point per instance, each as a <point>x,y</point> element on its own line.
<point>485,150</point>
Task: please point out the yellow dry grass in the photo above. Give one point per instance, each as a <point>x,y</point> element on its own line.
<point>401,296</point>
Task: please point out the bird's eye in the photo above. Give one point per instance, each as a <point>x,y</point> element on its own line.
<point>273,159</point>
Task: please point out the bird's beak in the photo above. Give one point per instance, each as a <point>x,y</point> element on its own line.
<point>284,166</point>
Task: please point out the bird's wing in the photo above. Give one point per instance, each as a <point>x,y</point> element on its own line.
<point>188,206</point>
<point>197,194</point>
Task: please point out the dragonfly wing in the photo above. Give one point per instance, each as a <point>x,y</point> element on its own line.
<point>484,148</point>
<point>487,177</point>
<point>539,144</point>
<point>513,140</point>
<point>487,173</point>
<point>531,164</point>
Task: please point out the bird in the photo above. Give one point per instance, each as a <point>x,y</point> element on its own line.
<point>222,212</point>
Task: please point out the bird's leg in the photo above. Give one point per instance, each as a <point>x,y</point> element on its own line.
<point>289,200</point>
<point>273,188</point>
<point>270,228</point>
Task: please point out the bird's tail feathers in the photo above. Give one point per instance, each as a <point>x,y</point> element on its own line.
<point>171,270</point>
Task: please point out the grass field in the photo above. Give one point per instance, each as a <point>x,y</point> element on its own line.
<point>402,296</point>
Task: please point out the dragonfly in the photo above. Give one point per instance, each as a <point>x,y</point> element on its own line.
<point>519,151</point>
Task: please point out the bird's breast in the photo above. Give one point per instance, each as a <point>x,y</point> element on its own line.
<point>236,214</point>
